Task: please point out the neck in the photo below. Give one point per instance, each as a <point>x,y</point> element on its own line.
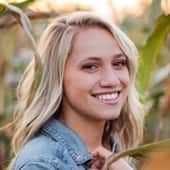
<point>90,131</point>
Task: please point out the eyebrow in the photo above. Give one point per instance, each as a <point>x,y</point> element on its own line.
<point>119,55</point>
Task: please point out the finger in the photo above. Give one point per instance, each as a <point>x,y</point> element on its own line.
<point>102,152</point>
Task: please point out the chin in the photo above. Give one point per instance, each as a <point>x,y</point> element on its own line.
<point>113,117</point>
<point>107,116</point>
<point>111,114</point>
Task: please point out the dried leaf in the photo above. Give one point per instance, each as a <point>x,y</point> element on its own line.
<point>141,152</point>
<point>25,23</point>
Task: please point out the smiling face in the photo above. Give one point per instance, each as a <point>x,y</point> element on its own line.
<point>96,77</point>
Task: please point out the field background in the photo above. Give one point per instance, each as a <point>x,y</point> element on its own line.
<point>146,22</point>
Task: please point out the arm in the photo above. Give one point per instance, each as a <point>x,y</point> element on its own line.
<point>42,165</point>
<point>36,166</point>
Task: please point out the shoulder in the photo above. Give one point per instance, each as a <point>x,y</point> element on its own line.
<point>41,152</point>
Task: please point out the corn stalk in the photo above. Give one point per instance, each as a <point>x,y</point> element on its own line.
<point>2,84</point>
<point>25,23</point>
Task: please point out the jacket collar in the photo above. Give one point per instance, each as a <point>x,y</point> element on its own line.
<point>76,147</point>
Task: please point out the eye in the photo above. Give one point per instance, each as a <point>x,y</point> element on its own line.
<point>90,67</point>
<point>120,64</point>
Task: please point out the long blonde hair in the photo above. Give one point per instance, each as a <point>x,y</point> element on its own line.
<point>54,48</point>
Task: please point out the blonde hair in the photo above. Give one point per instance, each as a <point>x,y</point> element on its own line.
<point>54,48</point>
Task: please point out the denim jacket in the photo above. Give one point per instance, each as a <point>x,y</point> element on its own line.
<point>56,147</point>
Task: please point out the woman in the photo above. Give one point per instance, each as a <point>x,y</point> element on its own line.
<point>85,107</point>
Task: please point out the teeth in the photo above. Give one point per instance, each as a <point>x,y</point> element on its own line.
<point>108,96</point>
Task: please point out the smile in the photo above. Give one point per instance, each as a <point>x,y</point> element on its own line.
<point>108,98</point>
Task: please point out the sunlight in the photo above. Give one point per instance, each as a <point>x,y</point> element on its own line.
<point>165,5</point>
<point>101,7</point>
<point>111,9</point>
<point>127,3</point>
<point>2,0</point>
<point>130,3</point>
<point>130,7</point>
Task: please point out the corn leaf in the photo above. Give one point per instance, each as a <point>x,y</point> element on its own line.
<point>25,23</point>
<point>141,152</point>
<point>150,52</point>
<point>20,4</point>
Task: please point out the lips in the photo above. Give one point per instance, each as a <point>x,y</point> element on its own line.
<point>108,98</point>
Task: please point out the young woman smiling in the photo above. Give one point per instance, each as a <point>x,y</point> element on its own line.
<point>86,106</point>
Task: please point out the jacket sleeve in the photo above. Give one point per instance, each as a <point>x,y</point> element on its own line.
<point>38,165</point>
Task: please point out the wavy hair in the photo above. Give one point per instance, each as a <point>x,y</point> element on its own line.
<point>54,48</point>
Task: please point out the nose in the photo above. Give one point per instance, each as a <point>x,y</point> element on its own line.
<point>109,78</point>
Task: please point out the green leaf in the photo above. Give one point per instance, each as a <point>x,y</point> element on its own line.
<point>150,52</point>
<point>140,152</point>
<point>20,4</point>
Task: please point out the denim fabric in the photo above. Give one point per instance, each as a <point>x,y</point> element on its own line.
<point>55,147</point>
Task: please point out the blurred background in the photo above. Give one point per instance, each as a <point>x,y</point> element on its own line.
<point>146,22</point>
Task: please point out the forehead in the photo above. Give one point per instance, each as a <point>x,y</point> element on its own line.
<point>94,41</point>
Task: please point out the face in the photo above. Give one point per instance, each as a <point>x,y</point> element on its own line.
<point>96,77</point>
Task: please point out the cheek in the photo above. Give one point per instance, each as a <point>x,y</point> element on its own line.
<point>75,84</point>
<point>124,78</point>
<point>78,79</point>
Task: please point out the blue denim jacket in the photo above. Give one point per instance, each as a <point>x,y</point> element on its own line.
<point>56,147</point>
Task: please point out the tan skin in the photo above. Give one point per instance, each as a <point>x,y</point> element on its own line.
<point>96,83</point>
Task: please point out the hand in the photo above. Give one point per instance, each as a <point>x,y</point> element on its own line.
<point>96,163</point>
<point>99,157</point>
<point>121,164</point>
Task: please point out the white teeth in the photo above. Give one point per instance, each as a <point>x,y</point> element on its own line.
<point>114,95</point>
<point>108,96</point>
